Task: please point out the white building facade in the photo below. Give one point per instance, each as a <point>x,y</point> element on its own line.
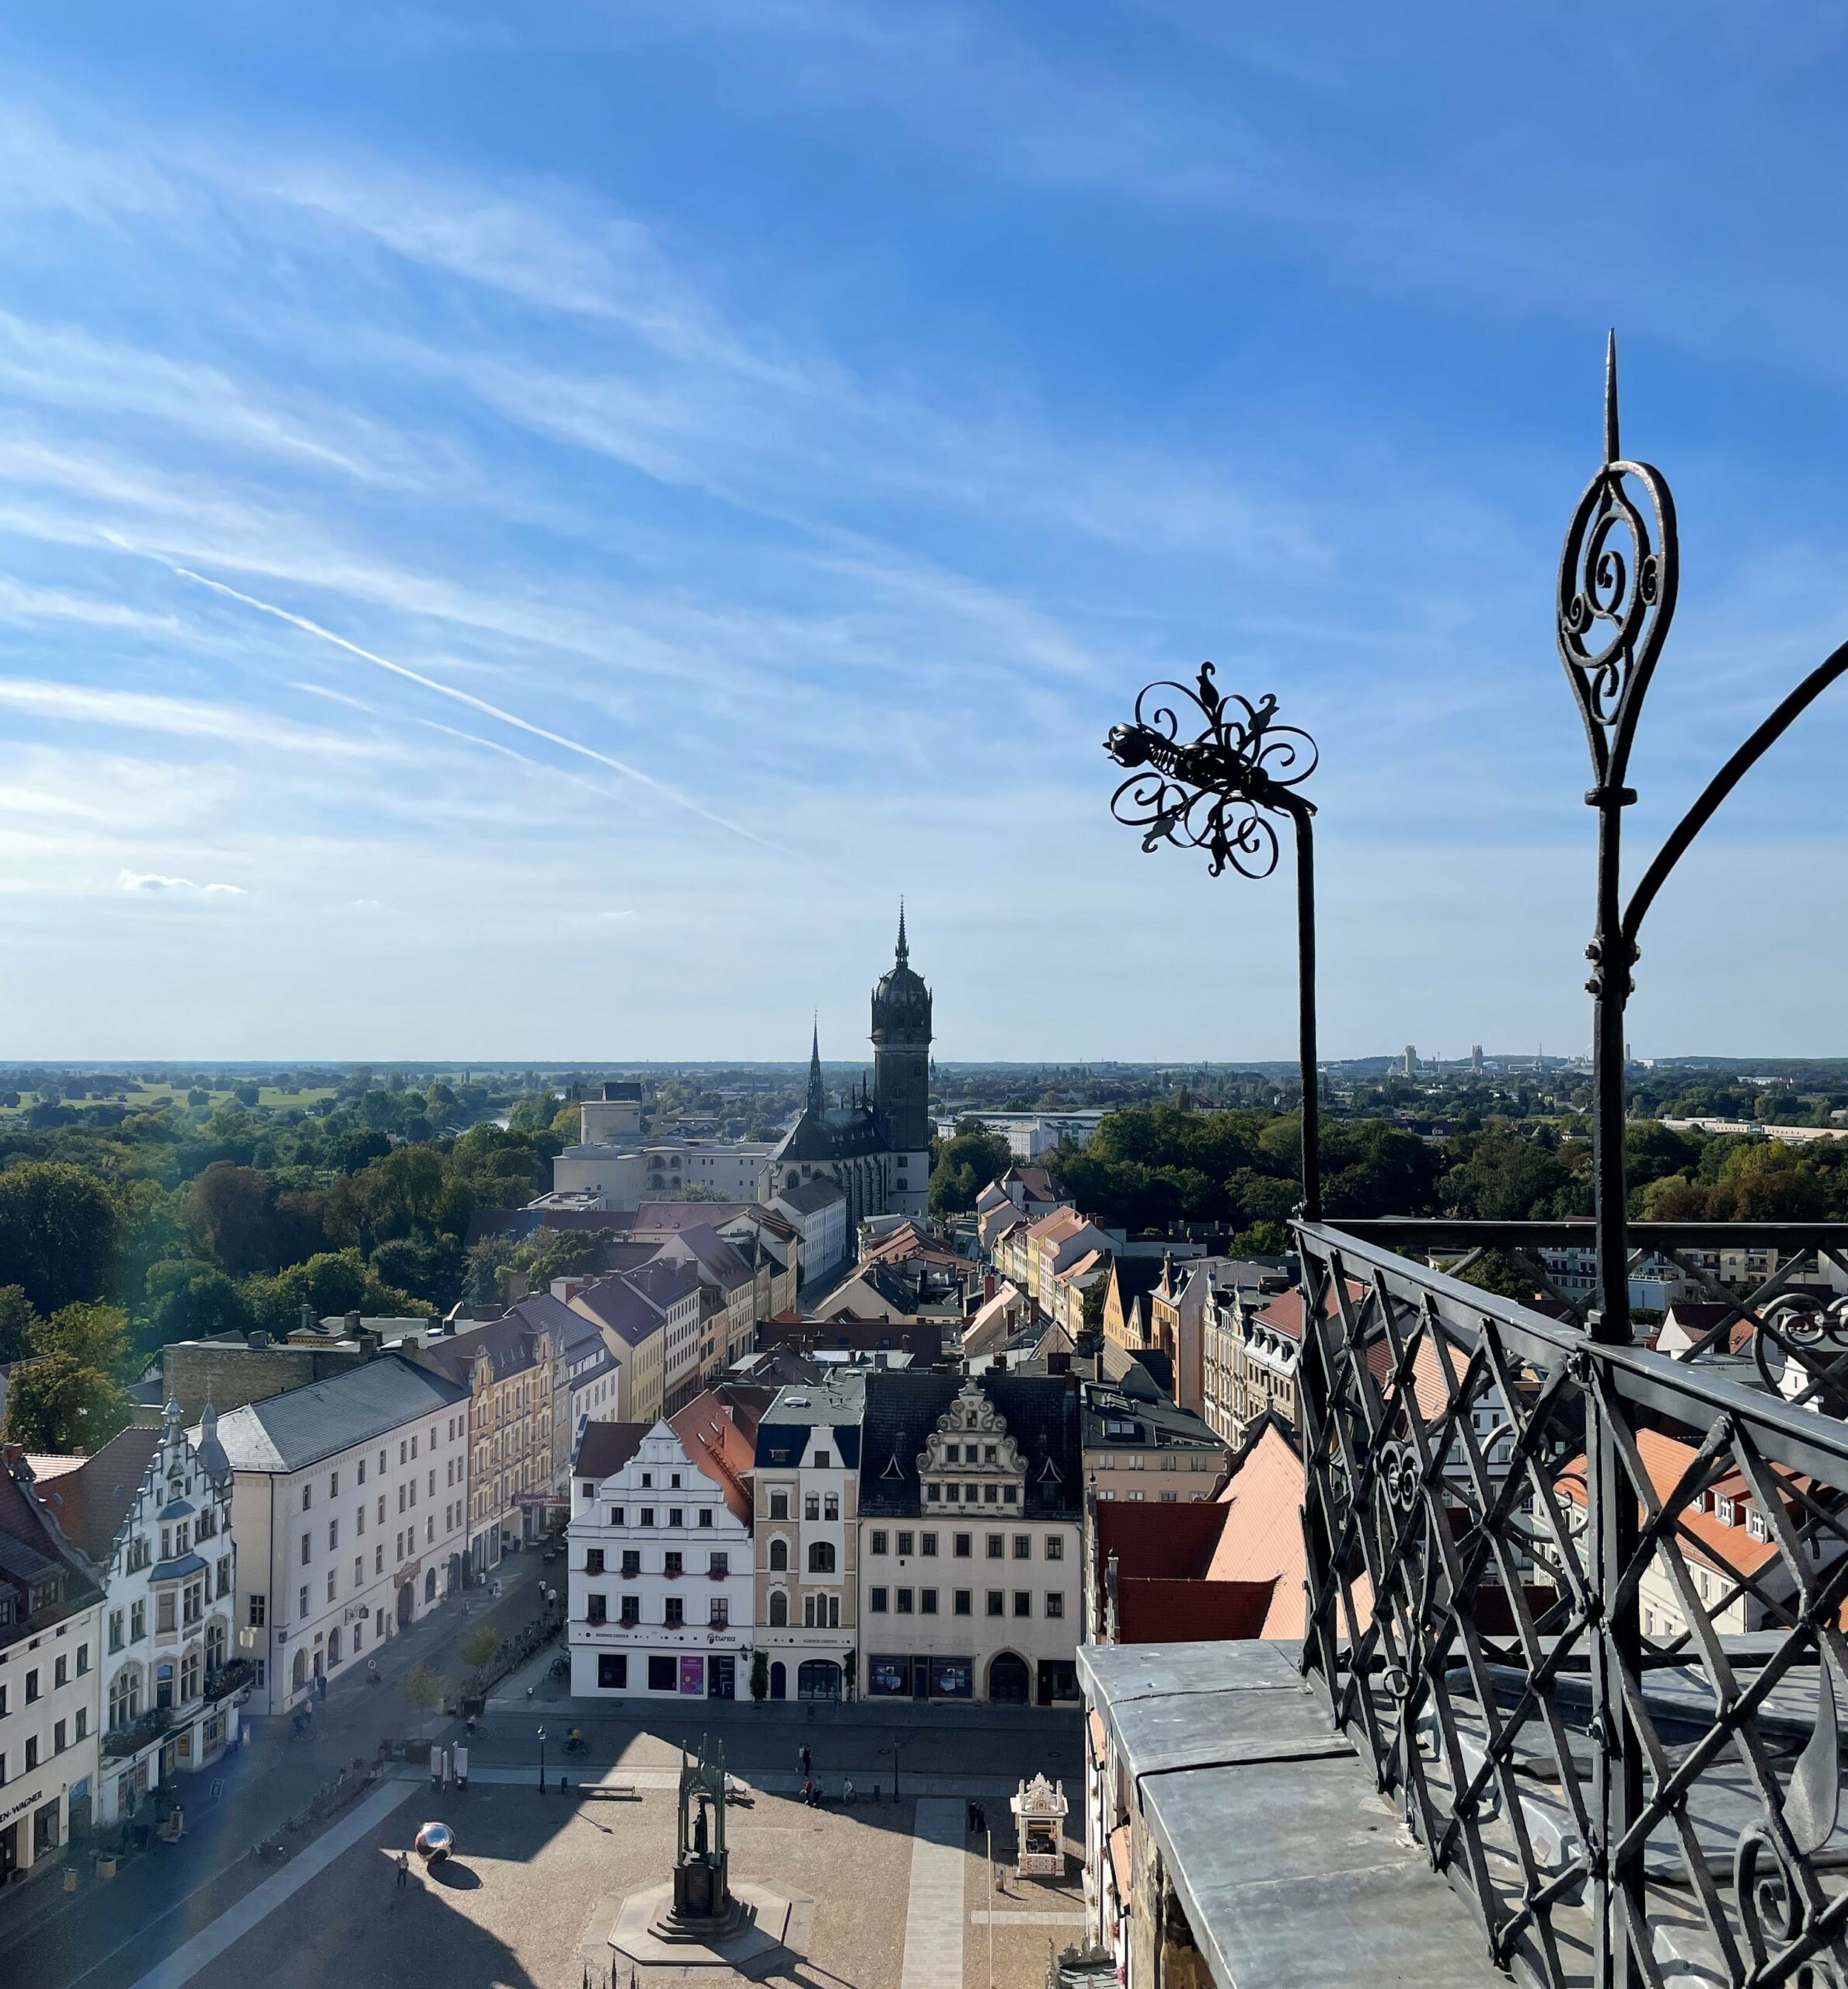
<point>349,1514</point>
<point>659,1554</point>
<point>172,1679</point>
<point>50,1616</point>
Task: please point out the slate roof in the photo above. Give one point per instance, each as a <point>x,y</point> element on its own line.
<point>672,1218</point>
<point>809,1197</point>
<point>607,1446</point>
<point>1041,1415</point>
<point>633,1304</point>
<point>29,1541</point>
<point>717,1258</point>
<point>285,1433</point>
<point>508,1343</point>
<point>836,1402</point>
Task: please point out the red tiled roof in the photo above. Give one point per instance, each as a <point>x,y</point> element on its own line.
<point>1192,1612</point>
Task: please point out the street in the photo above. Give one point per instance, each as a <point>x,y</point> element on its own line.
<point>109,1933</point>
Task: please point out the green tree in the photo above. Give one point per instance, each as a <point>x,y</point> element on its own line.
<point>760,1677</point>
<point>187,1300</point>
<point>421,1687</point>
<point>56,1404</point>
<point>549,1253</point>
<point>965,1164</point>
<point>229,1215</point>
<point>59,1236</point>
<point>849,1671</point>
<point>18,1321</point>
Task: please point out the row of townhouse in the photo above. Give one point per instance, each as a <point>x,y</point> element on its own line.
<point>883,1533</point>
<point>119,1672</point>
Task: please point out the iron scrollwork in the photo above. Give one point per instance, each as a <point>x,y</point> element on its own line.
<point>1810,1334</point>
<point>1777,1895</point>
<point>1213,792</point>
<point>1618,578</point>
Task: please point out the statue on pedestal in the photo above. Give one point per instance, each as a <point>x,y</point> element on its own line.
<point>704,1908</point>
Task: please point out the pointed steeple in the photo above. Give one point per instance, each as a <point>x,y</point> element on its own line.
<point>904,950</point>
<point>817,1101</point>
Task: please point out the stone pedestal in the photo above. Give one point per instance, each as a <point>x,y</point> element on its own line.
<point>705,1910</point>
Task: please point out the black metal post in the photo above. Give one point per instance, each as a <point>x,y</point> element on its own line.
<point>542,1761</point>
<point>1302,815</point>
<point>1216,792</point>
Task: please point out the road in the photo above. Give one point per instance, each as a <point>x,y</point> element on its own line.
<point>109,1933</point>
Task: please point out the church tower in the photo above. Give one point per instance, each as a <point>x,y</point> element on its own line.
<point>901,1074</point>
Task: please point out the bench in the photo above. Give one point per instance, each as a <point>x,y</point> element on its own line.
<point>609,1791</point>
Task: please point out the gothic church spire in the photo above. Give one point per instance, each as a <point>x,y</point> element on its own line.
<point>817,1102</point>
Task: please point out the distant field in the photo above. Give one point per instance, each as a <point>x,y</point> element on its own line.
<point>142,1098</point>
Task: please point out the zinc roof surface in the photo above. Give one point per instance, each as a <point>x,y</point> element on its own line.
<point>285,1432</point>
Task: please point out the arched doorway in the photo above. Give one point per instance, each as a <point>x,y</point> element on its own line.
<point>818,1678</point>
<point>430,1585</point>
<point>779,1681</point>
<point>1007,1679</point>
<point>298,1677</point>
<point>333,1649</point>
<point>406,1592</point>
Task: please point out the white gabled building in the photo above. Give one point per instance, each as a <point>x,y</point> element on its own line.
<point>660,1569</point>
<point>151,1511</point>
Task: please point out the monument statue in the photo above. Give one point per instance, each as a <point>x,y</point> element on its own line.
<point>704,1908</point>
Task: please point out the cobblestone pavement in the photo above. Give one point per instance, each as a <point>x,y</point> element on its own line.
<point>528,1902</point>
<point>106,1934</point>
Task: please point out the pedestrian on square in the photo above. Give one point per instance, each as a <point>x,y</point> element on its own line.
<point>403,1871</point>
<point>847,1791</point>
<point>803,1757</point>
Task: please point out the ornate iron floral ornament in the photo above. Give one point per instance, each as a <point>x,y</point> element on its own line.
<point>1218,792</point>
<point>1213,792</point>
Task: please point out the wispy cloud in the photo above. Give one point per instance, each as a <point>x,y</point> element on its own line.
<point>152,883</point>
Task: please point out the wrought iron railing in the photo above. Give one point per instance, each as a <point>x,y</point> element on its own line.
<point>1582,1605</point>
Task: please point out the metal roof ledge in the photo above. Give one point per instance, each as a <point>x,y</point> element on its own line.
<point>1291,1868</point>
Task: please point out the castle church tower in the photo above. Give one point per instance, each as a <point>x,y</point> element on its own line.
<point>901,1076</point>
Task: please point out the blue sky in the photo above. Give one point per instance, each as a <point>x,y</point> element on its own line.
<point>523,531</point>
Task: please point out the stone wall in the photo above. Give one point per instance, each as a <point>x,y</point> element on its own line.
<point>196,1372</point>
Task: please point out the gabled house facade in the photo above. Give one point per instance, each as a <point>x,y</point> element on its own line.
<point>660,1553</point>
<point>971,1579</point>
<point>152,1512</point>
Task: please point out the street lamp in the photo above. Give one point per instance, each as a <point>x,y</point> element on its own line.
<point>542,1761</point>
<point>1217,792</point>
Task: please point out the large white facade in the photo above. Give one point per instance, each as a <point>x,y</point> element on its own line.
<point>349,1512</point>
<point>660,1575</point>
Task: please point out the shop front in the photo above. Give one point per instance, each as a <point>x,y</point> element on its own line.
<point>918,1678</point>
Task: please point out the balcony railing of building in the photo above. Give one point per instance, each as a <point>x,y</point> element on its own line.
<point>1579,1600</point>
<point>1523,1543</point>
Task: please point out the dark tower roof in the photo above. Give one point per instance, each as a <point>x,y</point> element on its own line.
<point>902,1001</point>
<point>817,1102</point>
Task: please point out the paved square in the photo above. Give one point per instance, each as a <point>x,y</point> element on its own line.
<point>528,1901</point>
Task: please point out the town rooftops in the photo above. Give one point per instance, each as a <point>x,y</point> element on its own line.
<point>1115,1418</point>
<point>510,1345</point>
<point>670,1218</point>
<point>837,1402</point>
<point>290,1431</point>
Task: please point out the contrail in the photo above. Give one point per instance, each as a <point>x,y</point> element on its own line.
<point>481,705</point>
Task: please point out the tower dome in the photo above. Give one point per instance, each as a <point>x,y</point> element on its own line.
<point>902,1001</point>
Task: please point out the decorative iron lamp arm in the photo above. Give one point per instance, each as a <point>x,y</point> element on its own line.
<point>1217,792</point>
